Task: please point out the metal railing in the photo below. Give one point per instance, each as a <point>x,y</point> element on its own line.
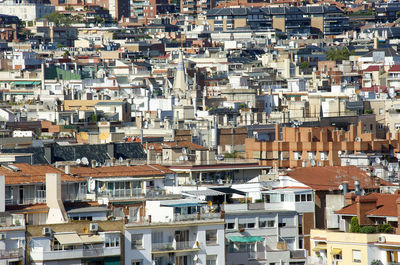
<point>11,254</point>
<point>175,245</point>
<point>298,254</point>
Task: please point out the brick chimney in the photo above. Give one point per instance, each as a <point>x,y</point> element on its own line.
<point>277,132</point>
<point>365,204</point>
<point>350,198</point>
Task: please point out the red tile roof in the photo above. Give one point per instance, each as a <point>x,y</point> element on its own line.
<point>385,205</point>
<point>377,89</point>
<point>372,68</point>
<point>28,174</point>
<point>329,178</point>
<point>395,68</point>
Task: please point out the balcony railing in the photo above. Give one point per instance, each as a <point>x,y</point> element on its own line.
<point>37,254</point>
<point>12,253</point>
<point>298,254</point>
<point>175,245</point>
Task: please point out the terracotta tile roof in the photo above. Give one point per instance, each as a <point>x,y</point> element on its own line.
<point>37,207</point>
<point>395,68</point>
<point>385,205</point>
<point>382,89</point>
<point>28,174</point>
<point>372,68</point>
<point>121,171</point>
<point>329,178</point>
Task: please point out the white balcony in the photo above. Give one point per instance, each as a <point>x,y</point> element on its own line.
<point>175,246</point>
<point>39,255</point>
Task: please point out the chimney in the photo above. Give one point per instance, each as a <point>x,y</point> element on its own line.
<point>364,205</point>
<point>67,169</point>
<point>57,212</point>
<point>349,198</point>
<point>357,187</point>
<point>277,132</point>
<point>2,194</point>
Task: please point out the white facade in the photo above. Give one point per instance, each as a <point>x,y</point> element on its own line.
<point>26,12</point>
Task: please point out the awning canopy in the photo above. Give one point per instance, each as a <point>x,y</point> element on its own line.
<point>228,190</point>
<point>336,251</point>
<point>246,239</point>
<point>207,192</point>
<point>68,239</point>
<point>91,239</point>
<point>27,82</point>
<point>319,247</point>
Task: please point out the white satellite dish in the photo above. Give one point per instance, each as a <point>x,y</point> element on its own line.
<point>185,158</point>
<point>78,161</point>
<point>385,163</point>
<point>377,160</point>
<point>181,158</point>
<point>339,152</point>
<point>184,150</point>
<point>121,159</point>
<point>340,187</point>
<point>85,161</point>
<point>312,162</point>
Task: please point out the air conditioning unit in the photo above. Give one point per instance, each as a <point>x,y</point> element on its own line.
<point>2,236</point>
<point>93,227</point>
<point>46,231</point>
<point>381,239</point>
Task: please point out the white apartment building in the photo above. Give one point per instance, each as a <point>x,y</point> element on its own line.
<point>179,232</point>
<point>26,11</point>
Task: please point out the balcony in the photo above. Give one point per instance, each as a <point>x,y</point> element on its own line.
<point>298,254</point>
<point>175,246</point>
<point>16,253</point>
<point>195,216</point>
<point>38,255</point>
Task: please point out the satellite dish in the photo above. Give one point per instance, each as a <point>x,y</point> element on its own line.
<point>384,163</point>
<point>377,160</point>
<point>92,184</point>
<point>185,158</point>
<point>85,161</point>
<point>78,161</point>
<point>312,162</point>
<point>184,150</point>
<point>121,159</point>
<point>339,152</point>
<point>340,187</point>
<point>181,158</point>
<point>151,147</point>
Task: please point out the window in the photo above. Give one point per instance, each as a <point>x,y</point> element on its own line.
<point>267,198</point>
<point>262,223</point>
<point>297,197</point>
<point>137,262</point>
<point>282,197</point>
<point>211,237</point>
<point>309,198</point>
<point>303,197</point>
<point>211,260</point>
<point>230,225</point>
<point>251,225</point>
<point>271,223</point>
<point>356,255</point>
<point>137,241</point>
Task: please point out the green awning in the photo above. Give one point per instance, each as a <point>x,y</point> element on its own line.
<point>246,239</point>
<point>27,82</point>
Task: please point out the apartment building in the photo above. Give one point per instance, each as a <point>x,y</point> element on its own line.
<point>326,20</point>
<point>195,7</point>
<point>333,247</point>
<point>318,146</point>
<point>25,10</point>
<point>78,242</point>
<point>12,238</point>
<point>181,232</point>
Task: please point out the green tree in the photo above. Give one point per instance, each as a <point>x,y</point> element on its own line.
<point>58,19</point>
<point>369,229</point>
<point>304,65</point>
<point>354,225</point>
<point>339,54</point>
<point>384,228</point>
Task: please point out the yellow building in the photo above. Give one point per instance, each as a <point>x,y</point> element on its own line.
<point>340,248</point>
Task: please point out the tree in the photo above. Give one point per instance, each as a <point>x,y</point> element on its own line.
<point>339,54</point>
<point>304,65</point>
<point>384,228</point>
<point>354,225</point>
<point>58,19</point>
<point>369,229</point>
<point>376,262</point>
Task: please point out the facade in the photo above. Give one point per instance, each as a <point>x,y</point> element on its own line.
<point>331,247</point>
<point>12,238</point>
<point>26,11</point>
<point>176,232</point>
<point>316,146</point>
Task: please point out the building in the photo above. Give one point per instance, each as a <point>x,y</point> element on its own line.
<point>26,11</point>
<point>176,232</point>
<point>195,7</point>
<point>318,146</point>
<point>333,247</point>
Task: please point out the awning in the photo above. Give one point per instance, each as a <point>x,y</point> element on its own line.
<point>228,190</point>
<point>246,239</point>
<point>203,192</point>
<point>319,247</point>
<point>27,82</point>
<point>91,239</point>
<point>68,239</point>
<point>336,251</point>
